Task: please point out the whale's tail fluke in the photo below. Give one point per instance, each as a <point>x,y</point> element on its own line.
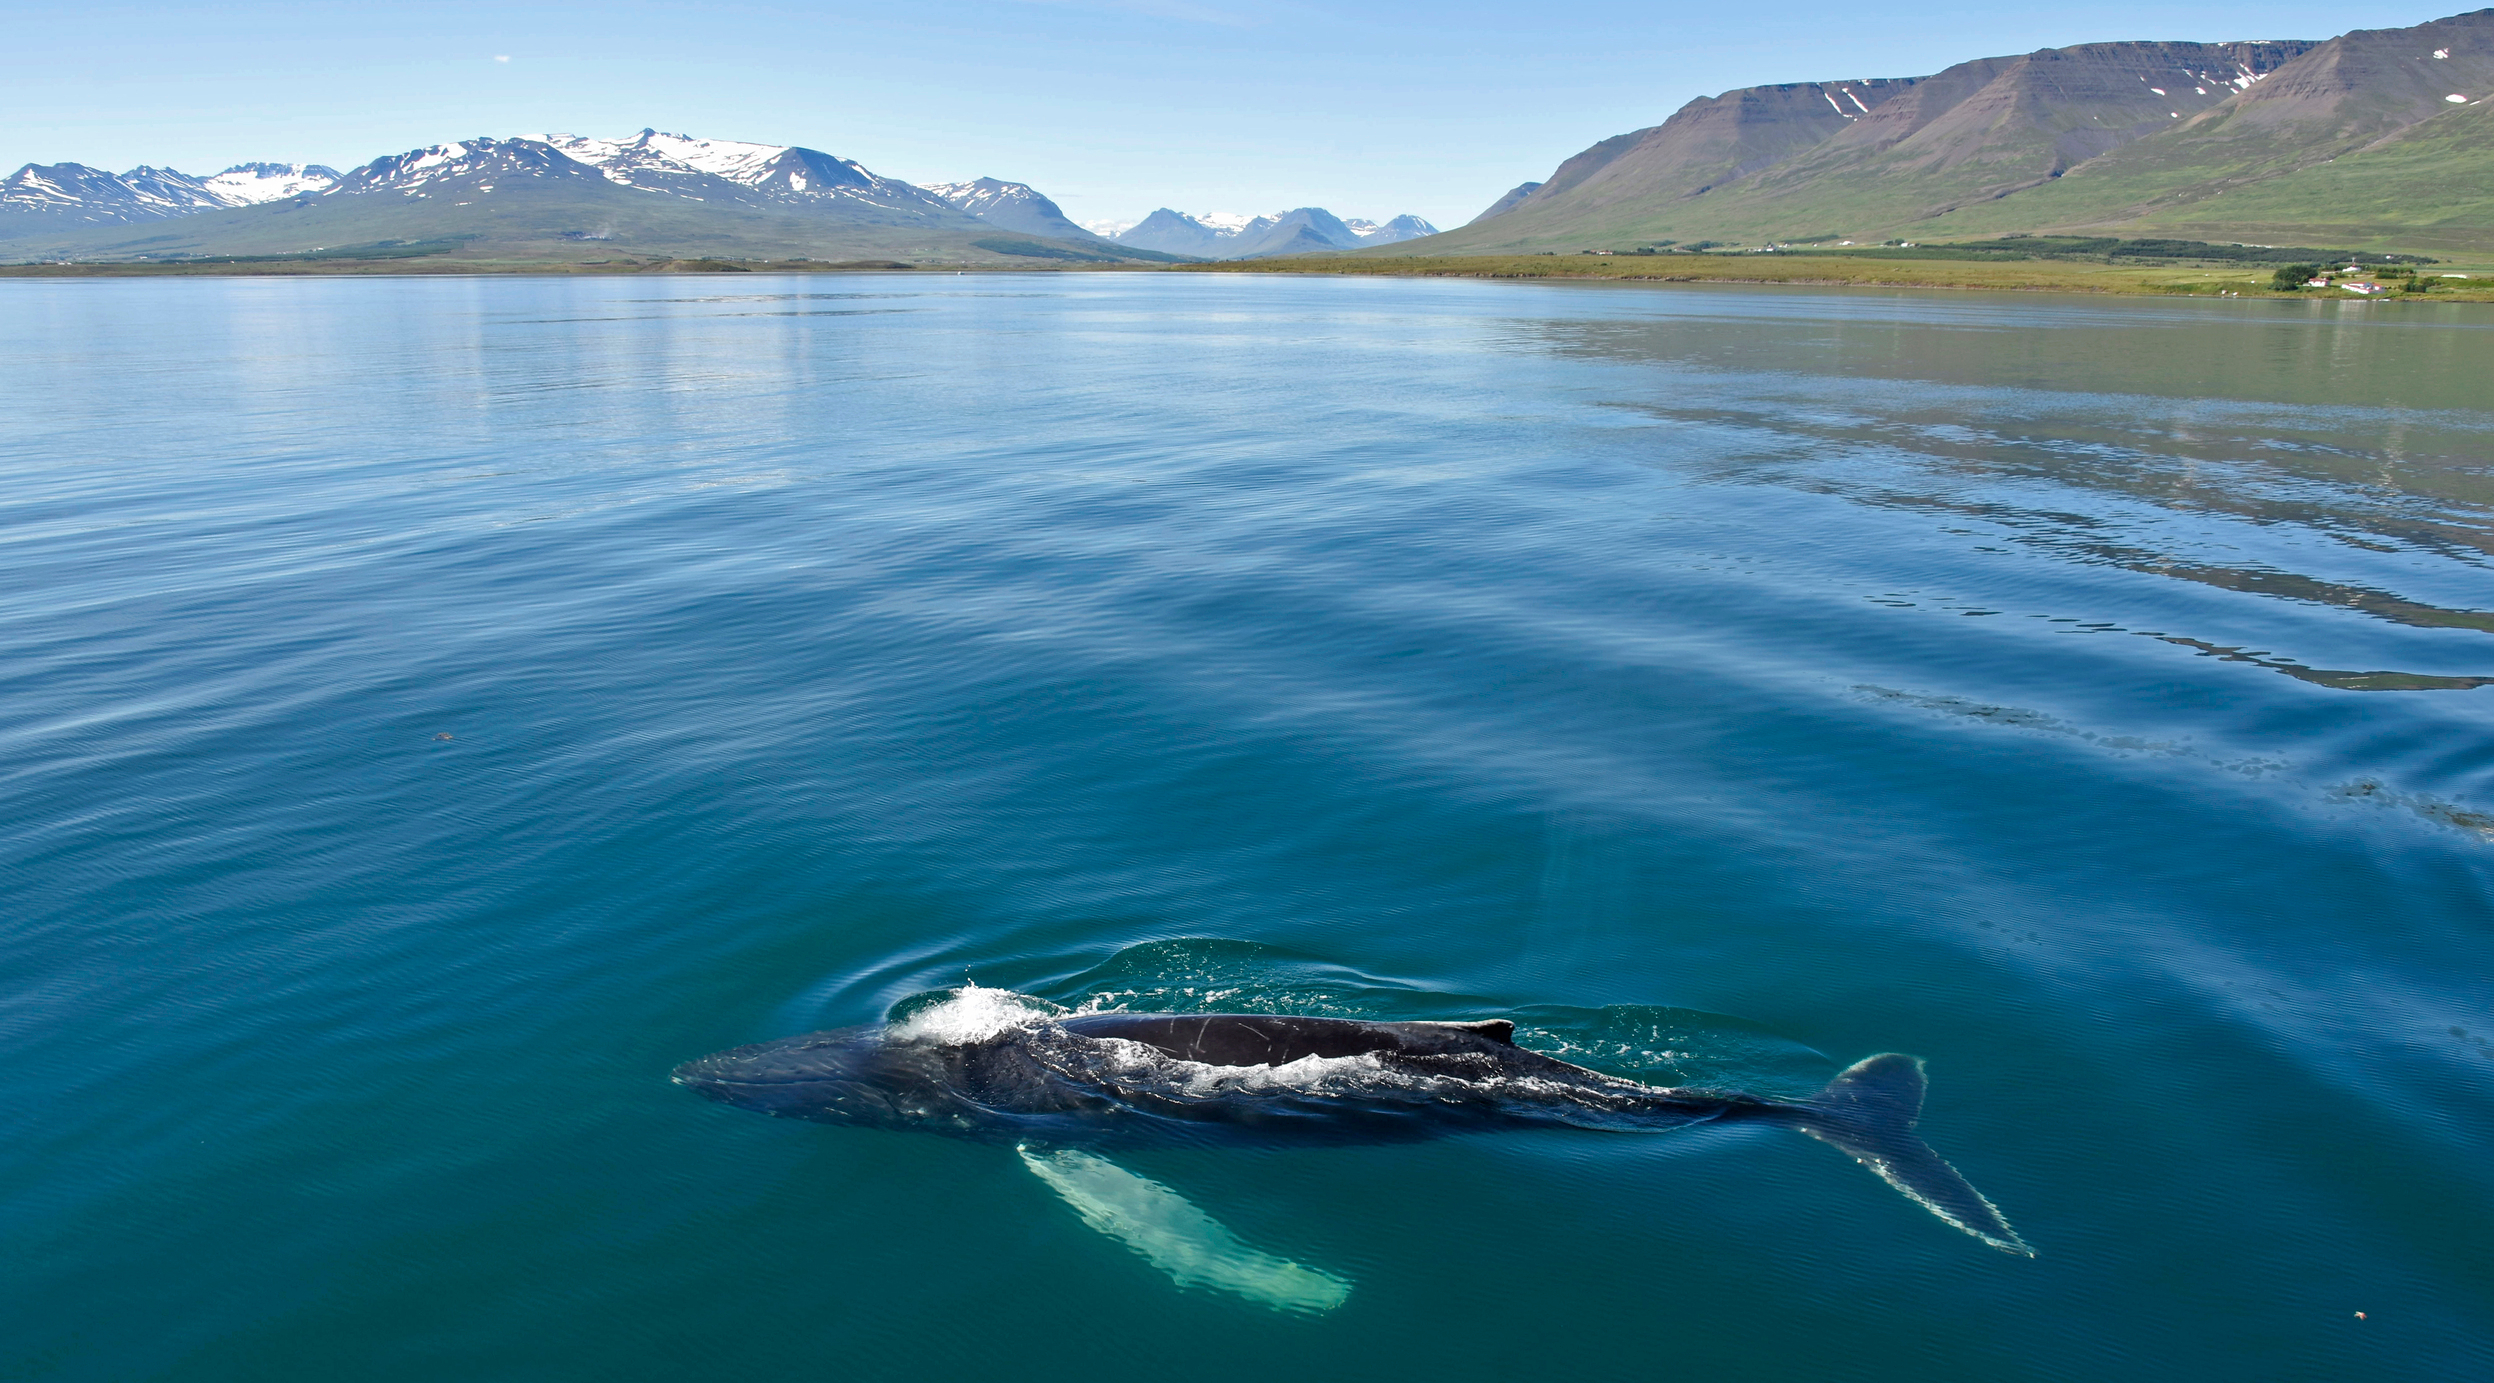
<point>1869,1111</point>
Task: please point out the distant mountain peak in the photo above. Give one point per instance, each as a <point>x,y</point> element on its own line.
<point>657,161</point>
<point>650,150</point>
<point>1014,206</point>
<point>1227,222</point>
<point>1235,235</point>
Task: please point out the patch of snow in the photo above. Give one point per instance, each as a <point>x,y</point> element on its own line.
<point>2158,90</point>
<point>1108,230</point>
<point>2461,99</point>
<point>2438,54</point>
<point>724,158</point>
<point>248,184</point>
<point>1224,222</point>
<point>1856,100</point>
<point>597,153</point>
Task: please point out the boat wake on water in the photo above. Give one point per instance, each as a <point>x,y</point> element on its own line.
<point>1065,1088</point>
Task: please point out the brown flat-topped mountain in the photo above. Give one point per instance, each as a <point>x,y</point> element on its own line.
<point>2096,137</point>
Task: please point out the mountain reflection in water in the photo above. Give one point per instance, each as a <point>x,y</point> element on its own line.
<point>2227,452</point>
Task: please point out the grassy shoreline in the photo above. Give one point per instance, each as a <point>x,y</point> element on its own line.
<point>1847,271</point>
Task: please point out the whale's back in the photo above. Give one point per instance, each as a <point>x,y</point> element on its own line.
<point>1270,1039</point>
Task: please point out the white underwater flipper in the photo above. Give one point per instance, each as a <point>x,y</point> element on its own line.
<point>1195,1249</point>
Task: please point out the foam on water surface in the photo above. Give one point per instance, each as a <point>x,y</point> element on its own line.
<point>972,1013</point>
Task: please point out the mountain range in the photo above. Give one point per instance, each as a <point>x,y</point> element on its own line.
<point>1227,235</point>
<point>2376,138</point>
<point>562,197</point>
<point>557,197</point>
<point>539,198</point>
<point>72,196</point>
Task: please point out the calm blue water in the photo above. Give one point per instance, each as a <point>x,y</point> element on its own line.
<point>434,708</point>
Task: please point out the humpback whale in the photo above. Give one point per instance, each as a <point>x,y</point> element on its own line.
<point>986,1066</point>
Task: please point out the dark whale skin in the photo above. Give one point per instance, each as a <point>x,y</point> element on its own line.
<point>1112,1079</point>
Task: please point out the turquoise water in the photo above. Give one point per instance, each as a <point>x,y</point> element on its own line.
<point>436,708</point>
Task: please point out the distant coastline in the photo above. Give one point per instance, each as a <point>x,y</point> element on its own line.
<point>1836,270</point>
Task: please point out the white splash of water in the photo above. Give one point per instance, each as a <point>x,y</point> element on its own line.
<point>973,1013</point>
<point>1192,1247</point>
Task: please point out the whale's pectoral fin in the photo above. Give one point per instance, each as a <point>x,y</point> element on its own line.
<point>1192,1247</point>
<point>1869,1111</point>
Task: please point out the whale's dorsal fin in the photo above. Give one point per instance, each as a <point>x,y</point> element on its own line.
<point>1495,1029</point>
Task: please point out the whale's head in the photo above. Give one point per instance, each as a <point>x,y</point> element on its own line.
<point>970,1062</point>
<point>849,1076</point>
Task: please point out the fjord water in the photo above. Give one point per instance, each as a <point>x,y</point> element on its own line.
<point>435,708</point>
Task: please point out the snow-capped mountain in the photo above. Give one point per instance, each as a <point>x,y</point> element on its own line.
<point>677,163</point>
<point>468,167</point>
<point>545,197</point>
<point>1233,235</point>
<point>75,194</point>
<point>1401,228</point>
<point>1013,206</point>
<point>571,182</point>
<point>51,197</point>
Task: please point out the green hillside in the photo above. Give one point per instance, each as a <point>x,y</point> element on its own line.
<point>2356,141</point>
<point>2431,188</point>
<point>523,224</point>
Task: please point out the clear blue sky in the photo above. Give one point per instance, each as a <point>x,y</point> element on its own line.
<point>1113,107</point>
